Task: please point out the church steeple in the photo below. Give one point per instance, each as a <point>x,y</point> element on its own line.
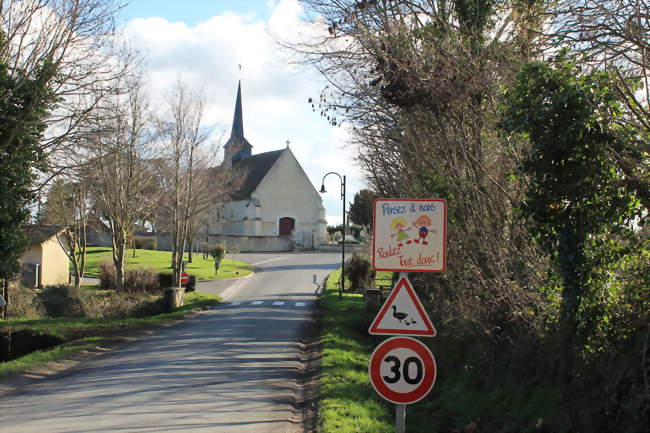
<point>238,118</point>
<point>237,147</point>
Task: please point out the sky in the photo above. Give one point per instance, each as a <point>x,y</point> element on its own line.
<point>203,43</point>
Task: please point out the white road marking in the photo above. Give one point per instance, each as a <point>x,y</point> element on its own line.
<point>257,302</point>
<point>278,303</point>
<point>268,260</point>
<point>235,303</point>
<point>300,304</point>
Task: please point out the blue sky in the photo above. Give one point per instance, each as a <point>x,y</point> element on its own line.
<point>202,43</point>
<point>193,12</point>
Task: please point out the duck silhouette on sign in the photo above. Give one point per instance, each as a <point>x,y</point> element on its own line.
<point>398,315</point>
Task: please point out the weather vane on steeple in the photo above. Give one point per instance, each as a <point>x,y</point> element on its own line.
<point>288,143</point>
<point>239,66</point>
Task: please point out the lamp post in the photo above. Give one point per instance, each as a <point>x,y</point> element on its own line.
<point>322,191</point>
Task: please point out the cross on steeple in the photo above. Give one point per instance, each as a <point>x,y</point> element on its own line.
<point>288,143</point>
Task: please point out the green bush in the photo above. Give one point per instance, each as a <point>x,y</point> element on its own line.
<point>191,285</point>
<point>217,252</point>
<point>146,243</point>
<point>165,280</point>
<point>359,271</point>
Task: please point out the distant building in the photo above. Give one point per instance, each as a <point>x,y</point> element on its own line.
<point>45,262</point>
<point>276,199</point>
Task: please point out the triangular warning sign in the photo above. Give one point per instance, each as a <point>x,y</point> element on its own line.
<point>402,314</point>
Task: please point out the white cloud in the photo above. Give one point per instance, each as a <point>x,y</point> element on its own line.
<point>274,91</point>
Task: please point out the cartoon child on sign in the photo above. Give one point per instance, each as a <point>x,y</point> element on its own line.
<point>422,223</point>
<point>401,227</point>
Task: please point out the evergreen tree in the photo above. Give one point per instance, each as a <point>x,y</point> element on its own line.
<point>23,111</point>
<point>361,208</point>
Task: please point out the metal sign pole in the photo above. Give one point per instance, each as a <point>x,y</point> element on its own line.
<point>400,418</point>
<point>400,410</point>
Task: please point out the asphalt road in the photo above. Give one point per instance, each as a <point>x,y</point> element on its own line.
<point>229,369</point>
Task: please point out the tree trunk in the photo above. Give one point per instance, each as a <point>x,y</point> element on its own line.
<point>81,270</point>
<point>118,261</point>
<point>5,295</point>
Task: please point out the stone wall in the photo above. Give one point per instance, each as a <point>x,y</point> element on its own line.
<point>245,243</point>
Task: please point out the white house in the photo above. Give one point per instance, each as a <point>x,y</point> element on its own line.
<point>276,206</point>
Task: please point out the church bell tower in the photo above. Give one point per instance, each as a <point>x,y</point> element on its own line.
<point>237,147</point>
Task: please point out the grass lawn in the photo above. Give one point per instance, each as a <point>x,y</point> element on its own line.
<point>86,333</point>
<point>160,261</point>
<point>348,402</point>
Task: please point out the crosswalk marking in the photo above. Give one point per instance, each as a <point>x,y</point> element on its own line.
<point>276,303</point>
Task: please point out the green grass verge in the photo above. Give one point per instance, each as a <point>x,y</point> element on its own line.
<point>348,402</point>
<point>85,333</point>
<point>42,357</point>
<point>160,261</point>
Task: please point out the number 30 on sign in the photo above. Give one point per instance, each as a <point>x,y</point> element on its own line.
<point>402,370</point>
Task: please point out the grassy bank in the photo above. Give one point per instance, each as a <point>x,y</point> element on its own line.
<point>348,402</point>
<point>85,333</point>
<point>160,261</point>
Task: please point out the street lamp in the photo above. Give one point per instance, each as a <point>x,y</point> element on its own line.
<point>322,191</point>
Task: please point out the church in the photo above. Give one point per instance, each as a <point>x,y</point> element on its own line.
<point>275,206</point>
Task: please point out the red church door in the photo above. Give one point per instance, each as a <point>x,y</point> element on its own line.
<point>287,225</point>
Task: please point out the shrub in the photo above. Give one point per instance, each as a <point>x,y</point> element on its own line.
<point>191,285</point>
<point>149,307</point>
<point>217,252</point>
<point>146,243</point>
<point>61,301</point>
<point>358,271</point>
<point>135,280</point>
<point>165,280</point>
<point>106,276</point>
<point>141,280</point>
<point>114,305</point>
<point>24,302</point>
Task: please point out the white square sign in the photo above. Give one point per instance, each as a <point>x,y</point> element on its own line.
<point>409,235</point>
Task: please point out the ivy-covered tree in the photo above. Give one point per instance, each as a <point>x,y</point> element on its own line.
<point>577,194</point>
<point>23,108</point>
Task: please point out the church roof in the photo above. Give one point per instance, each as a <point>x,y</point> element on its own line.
<point>254,168</point>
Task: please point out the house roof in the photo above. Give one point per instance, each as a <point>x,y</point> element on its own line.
<point>254,168</point>
<point>37,234</point>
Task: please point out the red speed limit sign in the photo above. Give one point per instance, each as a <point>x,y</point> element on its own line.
<point>402,370</point>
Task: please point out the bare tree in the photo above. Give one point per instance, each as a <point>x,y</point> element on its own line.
<point>68,205</point>
<point>190,182</point>
<point>419,81</point>
<point>120,175</point>
<point>73,46</point>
